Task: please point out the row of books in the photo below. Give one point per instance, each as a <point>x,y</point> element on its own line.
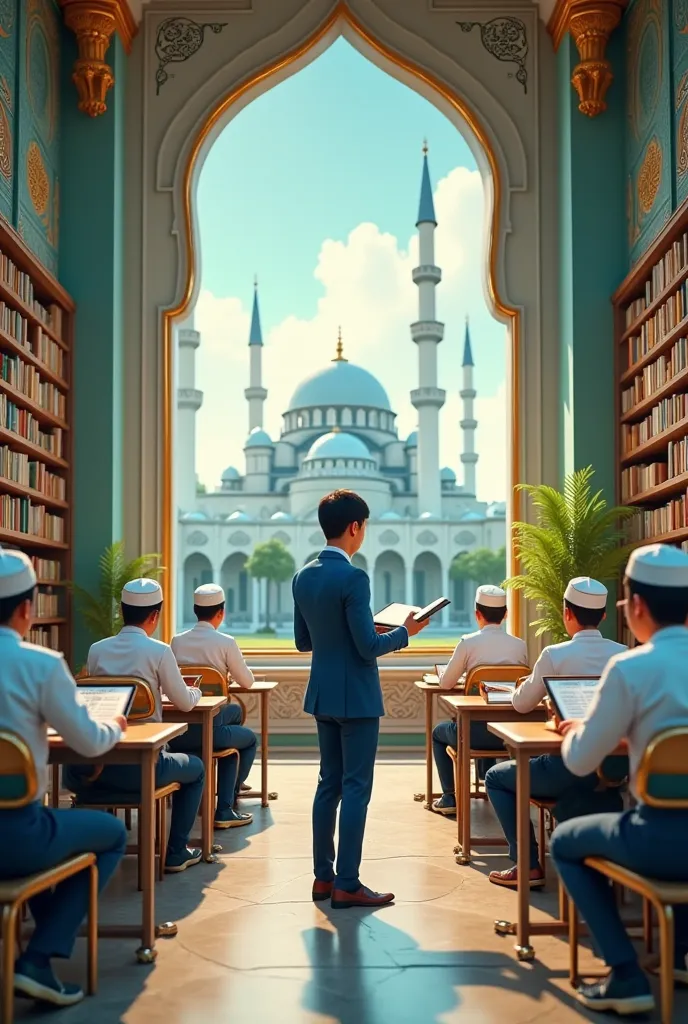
<point>45,636</point>
<point>24,423</point>
<point>653,331</point>
<point>47,605</point>
<point>47,569</point>
<point>656,375</point>
<point>652,522</point>
<point>49,352</point>
<point>20,469</point>
<point>637,479</point>
<point>661,276</point>
<point>665,414</point>
<point>26,378</point>
<point>14,324</point>
<point>22,285</point>
<point>22,516</point>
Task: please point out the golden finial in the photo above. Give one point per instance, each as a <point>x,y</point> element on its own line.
<point>339,358</point>
<point>425,147</point>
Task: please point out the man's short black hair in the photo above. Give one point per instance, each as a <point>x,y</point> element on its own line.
<point>668,606</point>
<point>589,618</point>
<point>204,613</point>
<point>495,616</point>
<point>9,605</point>
<point>338,510</point>
<point>135,615</point>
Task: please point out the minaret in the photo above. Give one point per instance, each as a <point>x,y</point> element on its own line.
<point>255,393</point>
<point>427,333</point>
<point>468,423</point>
<point>189,401</point>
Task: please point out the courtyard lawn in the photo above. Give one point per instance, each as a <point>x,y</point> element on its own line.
<point>253,641</point>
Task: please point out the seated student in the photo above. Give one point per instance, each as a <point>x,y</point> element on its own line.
<point>134,652</point>
<point>642,692</point>
<point>585,654</point>
<point>37,691</point>
<point>206,645</point>
<point>490,645</point>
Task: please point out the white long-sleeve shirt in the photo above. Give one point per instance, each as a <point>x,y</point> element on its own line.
<point>490,645</point>
<point>37,690</point>
<point>133,653</point>
<point>205,645</point>
<point>642,692</point>
<point>586,654</point>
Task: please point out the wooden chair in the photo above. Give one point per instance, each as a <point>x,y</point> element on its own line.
<point>142,708</point>
<point>18,788</point>
<point>662,782</point>
<point>214,684</point>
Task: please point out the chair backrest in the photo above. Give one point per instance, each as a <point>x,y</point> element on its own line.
<point>663,773</point>
<point>18,781</point>
<point>144,701</point>
<point>493,674</point>
<point>213,682</point>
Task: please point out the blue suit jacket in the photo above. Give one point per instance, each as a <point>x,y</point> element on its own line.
<point>332,618</point>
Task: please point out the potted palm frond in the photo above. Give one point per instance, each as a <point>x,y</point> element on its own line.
<point>575,534</point>
<point>101,611</point>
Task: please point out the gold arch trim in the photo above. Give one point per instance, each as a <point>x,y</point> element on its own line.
<point>511,315</point>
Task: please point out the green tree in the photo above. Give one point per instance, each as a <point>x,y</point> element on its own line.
<point>101,611</point>
<point>482,566</point>
<point>272,562</point>
<point>575,534</point>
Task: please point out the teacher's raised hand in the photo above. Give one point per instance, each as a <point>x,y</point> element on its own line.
<point>412,624</point>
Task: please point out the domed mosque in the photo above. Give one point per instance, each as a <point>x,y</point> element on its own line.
<point>338,431</point>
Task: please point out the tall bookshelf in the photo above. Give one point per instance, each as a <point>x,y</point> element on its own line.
<point>36,333</point>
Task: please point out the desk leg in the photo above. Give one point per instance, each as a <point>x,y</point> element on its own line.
<point>524,950</point>
<point>55,788</point>
<point>264,793</point>
<point>463,732</point>
<point>428,749</point>
<point>146,953</point>
<point>208,801</point>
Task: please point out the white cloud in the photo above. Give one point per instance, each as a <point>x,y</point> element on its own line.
<point>367,288</point>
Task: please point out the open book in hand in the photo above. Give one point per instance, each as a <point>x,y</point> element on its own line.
<point>396,614</point>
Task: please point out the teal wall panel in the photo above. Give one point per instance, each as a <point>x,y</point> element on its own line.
<point>30,33</point>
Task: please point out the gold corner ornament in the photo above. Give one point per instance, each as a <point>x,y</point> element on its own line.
<point>590,23</point>
<point>94,22</point>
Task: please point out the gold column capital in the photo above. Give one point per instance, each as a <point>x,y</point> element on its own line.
<point>93,22</point>
<point>590,23</point>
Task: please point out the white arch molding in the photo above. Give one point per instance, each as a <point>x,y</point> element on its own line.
<point>506,155</point>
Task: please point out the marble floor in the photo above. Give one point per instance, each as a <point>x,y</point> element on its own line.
<point>252,947</point>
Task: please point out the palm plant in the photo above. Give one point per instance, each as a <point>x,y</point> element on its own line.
<point>101,611</point>
<point>576,534</point>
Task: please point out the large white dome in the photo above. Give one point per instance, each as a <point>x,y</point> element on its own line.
<point>340,383</point>
<point>338,446</point>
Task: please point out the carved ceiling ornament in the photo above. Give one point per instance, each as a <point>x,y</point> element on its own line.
<point>590,23</point>
<point>177,40</point>
<point>504,38</point>
<point>93,22</point>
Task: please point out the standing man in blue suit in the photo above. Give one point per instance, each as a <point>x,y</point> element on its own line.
<point>332,618</point>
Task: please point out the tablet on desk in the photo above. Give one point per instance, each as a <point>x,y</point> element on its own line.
<point>394,615</point>
<point>107,702</point>
<point>571,695</point>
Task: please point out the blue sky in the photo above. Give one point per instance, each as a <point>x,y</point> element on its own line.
<point>314,186</point>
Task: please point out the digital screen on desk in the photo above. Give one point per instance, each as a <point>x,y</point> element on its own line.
<point>571,695</point>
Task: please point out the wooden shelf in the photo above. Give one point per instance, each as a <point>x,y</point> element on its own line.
<point>30,540</point>
<point>655,305</point>
<point>667,343</point>
<point>27,355</point>
<point>41,414</point>
<point>49,622</point>
<point>16,302</point>
<point>660,493</point>
<point>672,387</point>
<point>50,583</point>
<point>656,444</point>
<point>672,537</point>
<point>22,444</point>
<point>21,491</point>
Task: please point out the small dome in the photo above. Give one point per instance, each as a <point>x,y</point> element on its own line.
<point>497,511</point>
<point>238,517</point>
<point>340,383</point>
<point>338,446</point>
<point>428,515</point>
<point>258,438</point>
<point>194,517</point>
<point>471,517</point>
<point>412,440</point>
<point>281,517</point>
<point>448,475</point>
<point>390,514</point>
<point>230,474</point>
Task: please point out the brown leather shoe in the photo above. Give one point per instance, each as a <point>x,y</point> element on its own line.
<point>321,891</point>
<point>363,897</point>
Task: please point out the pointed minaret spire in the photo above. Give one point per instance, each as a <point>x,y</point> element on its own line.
<point>339,358</point>
<point>255,394</point>
<point>467,352</point>
<point>469,424</point>
<point>255,335</point>
<point>426,206</point>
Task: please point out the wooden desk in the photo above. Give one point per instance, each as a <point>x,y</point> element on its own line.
<point>431,691</point>
<point>526,740</point>
<point>264,689</point>
<point>141,744</point>
<point>203,714</point>
<point>467,710</point>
